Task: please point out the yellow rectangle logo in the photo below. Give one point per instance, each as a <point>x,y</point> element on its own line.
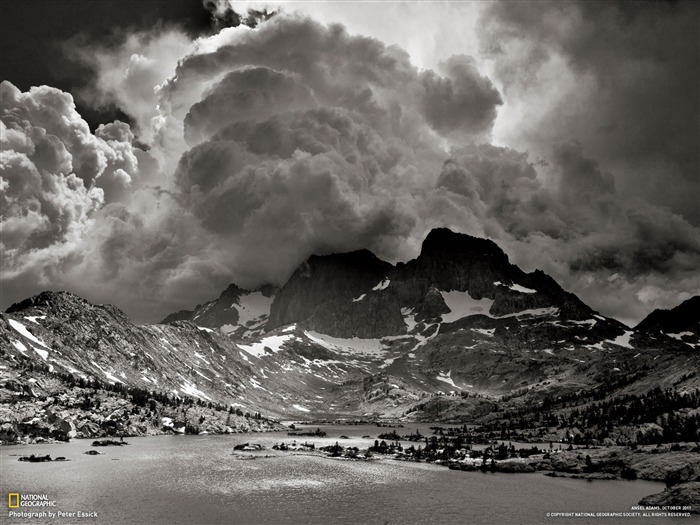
<point>13,500</point>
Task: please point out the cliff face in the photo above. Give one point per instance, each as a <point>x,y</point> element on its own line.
<point>454,261</point>
<point>340,295</point>
<point>357,295</point>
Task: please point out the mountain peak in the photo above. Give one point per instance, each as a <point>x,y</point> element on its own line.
<point>442,240</point>
<point>354,260</point>
<point>323,283</point>
<point>236,310</point>
<point>46,299</point>
<point>61,304</point>
<point>683,318</point>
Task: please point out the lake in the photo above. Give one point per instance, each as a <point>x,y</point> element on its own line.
<point>196,479</point>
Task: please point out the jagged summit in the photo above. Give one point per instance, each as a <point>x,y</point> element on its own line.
<point>62,304</point>
<point>236,311</point>
<point>457,261</point>
<point>47,299</point>
<point>357,294</point>
<point>442,241</point>
<point>325,292</point>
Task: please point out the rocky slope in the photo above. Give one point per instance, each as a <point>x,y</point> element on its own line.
<point>56,341</point>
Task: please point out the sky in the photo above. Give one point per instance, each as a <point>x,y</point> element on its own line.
<point>154,152</point>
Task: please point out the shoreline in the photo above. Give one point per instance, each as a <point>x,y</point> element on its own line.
<point>676,464</point>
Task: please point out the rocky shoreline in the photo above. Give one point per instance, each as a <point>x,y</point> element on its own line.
<point>677,465</point>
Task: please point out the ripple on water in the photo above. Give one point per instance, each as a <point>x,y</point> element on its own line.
<point>189,479</point>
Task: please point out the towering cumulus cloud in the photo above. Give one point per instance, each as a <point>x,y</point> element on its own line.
<point>56,175</point>
<point>262,146</point>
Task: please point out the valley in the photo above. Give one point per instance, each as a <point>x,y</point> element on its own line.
<point>458,335</point>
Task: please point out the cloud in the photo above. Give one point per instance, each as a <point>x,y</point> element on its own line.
<point>310,140</point>
<point>126,74</point>
<point>305,182</point>
<point>463,100</point>
<point>55,177</point>
<point>263,146</point>
<point>619,78</point>
<point>354,72</point>
<point>245,94</point>
<point>223,15</point>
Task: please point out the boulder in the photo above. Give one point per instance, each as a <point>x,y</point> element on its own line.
<point>88,429</point>
<point>432,306</point>
<point>685,494</point>
<point>8,433</point>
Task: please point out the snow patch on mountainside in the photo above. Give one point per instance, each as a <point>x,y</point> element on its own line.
<point>382,285</point>
<point>623,340</point>
<point>191,390</point>
<point>461,304</point>
<point>353,345</point>
<point>409,318</point>
<point>19,327</point>
<point>273,342</point>
<point>680,336</point>
<point>43,353</point>
<point>19,346</point>
<point>522,289</point>
<point>110,377</point>
<point>445,378</point>
<point>516,287</point>
<point>534,312</point>
<point>591,322</point>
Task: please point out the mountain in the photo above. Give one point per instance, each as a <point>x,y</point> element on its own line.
<point>357,295</point>
<point>458,333</point>
<point>238,312</point>
<point>681,323</point>
<point>340,295</point>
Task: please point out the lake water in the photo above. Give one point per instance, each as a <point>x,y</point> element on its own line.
<point>196,479</point>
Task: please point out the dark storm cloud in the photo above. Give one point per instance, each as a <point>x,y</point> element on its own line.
<point>621,78</point>
<point>324,145</point>
<point>356,72</point>
<point>463,99</point>
<point>247,94</point>
<point>223,15</point>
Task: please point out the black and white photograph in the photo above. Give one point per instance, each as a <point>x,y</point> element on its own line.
<point>349,262</point>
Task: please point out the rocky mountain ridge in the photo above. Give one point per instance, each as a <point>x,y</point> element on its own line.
<point>357,295</point>
<point>680,323</point>
<point>455,333</point>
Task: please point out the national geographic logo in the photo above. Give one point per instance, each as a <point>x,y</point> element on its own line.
<point>38,506</point>
<point>15,500</point>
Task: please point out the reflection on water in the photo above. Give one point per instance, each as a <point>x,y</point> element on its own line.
<point>195,479</point>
